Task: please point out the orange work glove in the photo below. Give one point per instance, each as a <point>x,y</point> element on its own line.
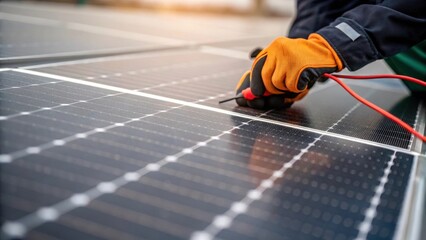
<point>276,101</point>
<point>292,65</point>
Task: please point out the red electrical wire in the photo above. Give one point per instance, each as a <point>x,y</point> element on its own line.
<point>375,107</point>
<point>405,78</point>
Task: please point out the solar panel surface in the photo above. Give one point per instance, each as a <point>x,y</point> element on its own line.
<point>136,147</point>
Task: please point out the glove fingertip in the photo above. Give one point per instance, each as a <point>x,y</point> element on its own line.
<point>257,103</point>
<point>241,102</point>
<point>303,80</point>
<point>255,52</point>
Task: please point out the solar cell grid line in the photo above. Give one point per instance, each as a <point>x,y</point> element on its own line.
<point>7,117</point>
<point>160,85</point>
<point>293,206</point>
<point>29,85</point>
<point>132,80</point>
<point>10,157</point>
<point>365,123</point>
<point>23,101</point>
<point>20,227</point>
<point>59,94</point>
<point>205,107</point>
<point>191,80</point>
<point>153,72</point>
<point>224,220</point>
<point>16,103</point>
<point>372,128</point>
<point>7,83</point>
<point>378,128</point>
<point>135,70</point>
<point>136,74</point>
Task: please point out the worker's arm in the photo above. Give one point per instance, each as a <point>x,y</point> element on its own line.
<point>371,32</point>
<point>312,15</point>
<point>360,36</point>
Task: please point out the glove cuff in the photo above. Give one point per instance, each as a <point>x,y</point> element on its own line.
<point>351,41</point>
<point>318,38</point>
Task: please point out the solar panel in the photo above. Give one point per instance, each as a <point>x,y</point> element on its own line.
<point>136,147</point>
<point>28,41</point>
<point>191,75</point>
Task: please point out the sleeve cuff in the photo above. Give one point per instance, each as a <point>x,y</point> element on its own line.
<point>351,43</point>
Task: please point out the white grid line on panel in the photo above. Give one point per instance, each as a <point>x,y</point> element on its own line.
<point>213,109</point>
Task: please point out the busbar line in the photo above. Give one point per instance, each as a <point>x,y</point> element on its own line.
<point>19,228</point>
<point>213,109</point>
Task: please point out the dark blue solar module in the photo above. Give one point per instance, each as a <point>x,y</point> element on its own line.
<point>136,146</point>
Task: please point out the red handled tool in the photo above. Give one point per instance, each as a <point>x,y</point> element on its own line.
<point>247,94</point>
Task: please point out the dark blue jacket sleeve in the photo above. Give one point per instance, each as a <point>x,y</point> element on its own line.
<point>312,15</point>
<point>374,31</point>
<point>362,31</point>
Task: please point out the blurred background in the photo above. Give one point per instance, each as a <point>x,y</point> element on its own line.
<point>243,7</point>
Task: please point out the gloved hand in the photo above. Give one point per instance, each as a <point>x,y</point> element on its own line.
<point>292,65</point>
<point>276,101</point>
